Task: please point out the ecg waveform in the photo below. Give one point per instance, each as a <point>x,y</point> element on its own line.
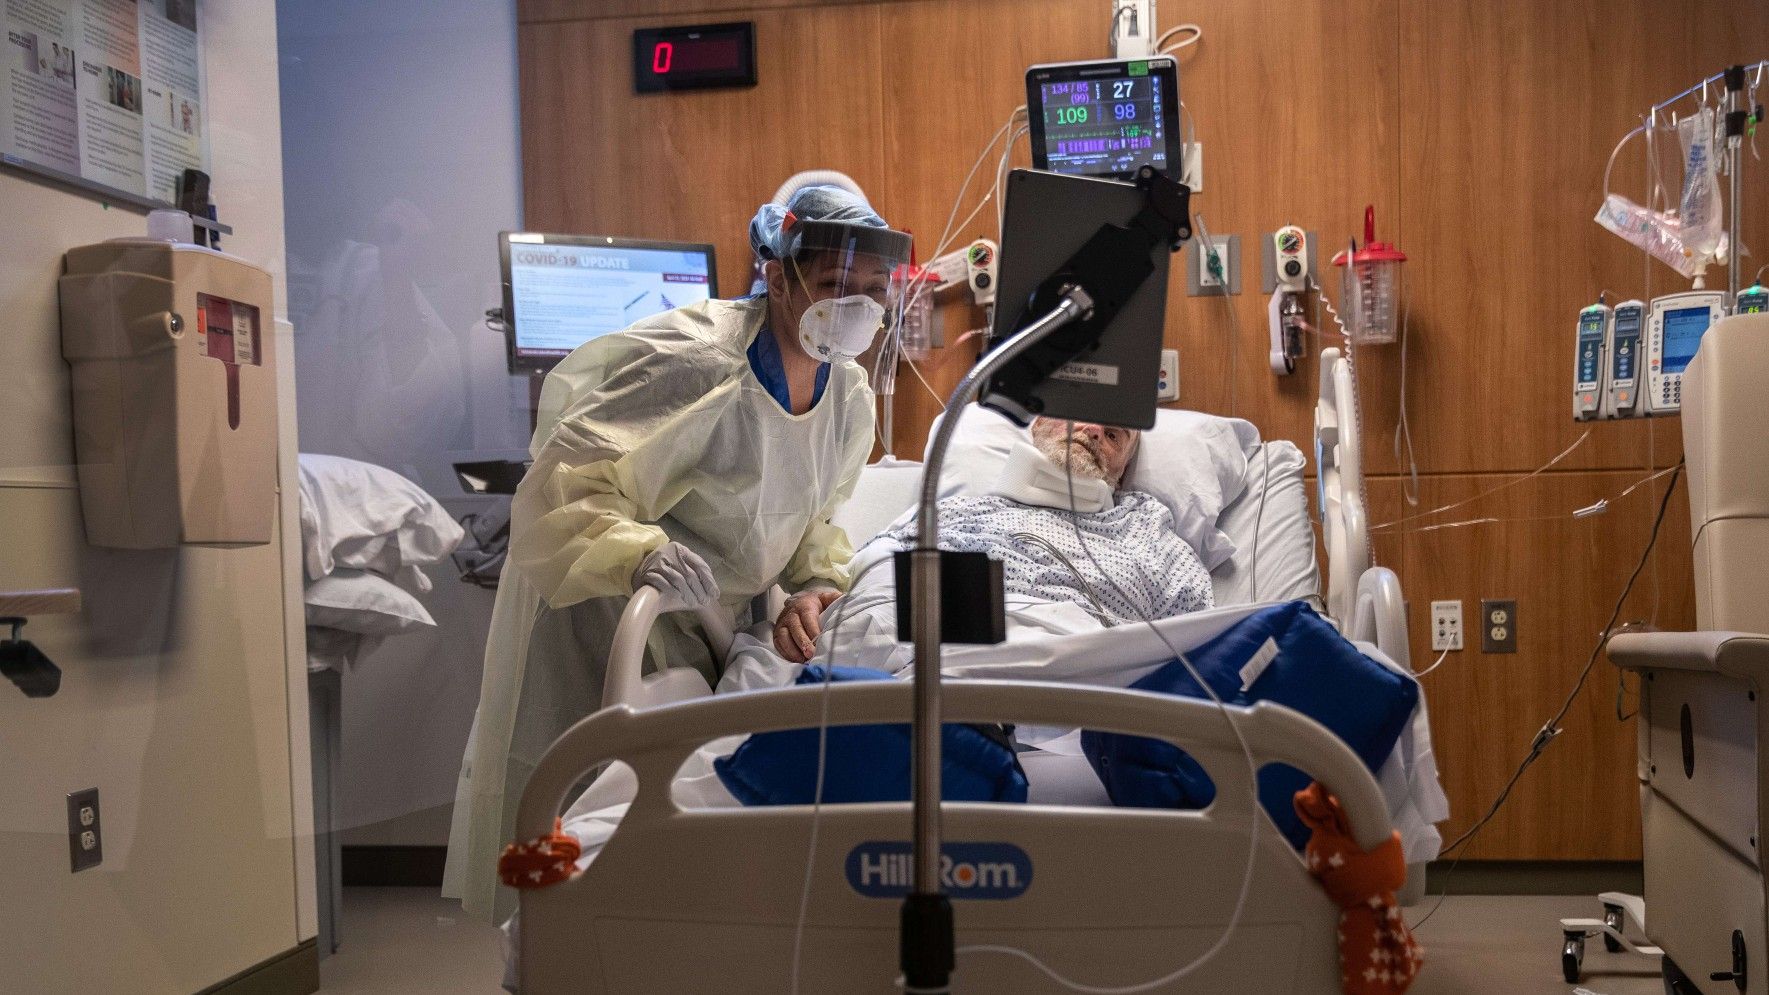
<point>1090,146</point>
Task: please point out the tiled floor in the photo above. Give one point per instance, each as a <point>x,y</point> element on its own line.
<point>409,940</point>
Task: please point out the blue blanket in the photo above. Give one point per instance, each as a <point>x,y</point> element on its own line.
<point>1287,655</point>
<point>869,763</point>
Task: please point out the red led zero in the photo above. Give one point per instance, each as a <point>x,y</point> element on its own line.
<point>662,56</point>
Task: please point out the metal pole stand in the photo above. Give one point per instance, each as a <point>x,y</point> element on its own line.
<point>927,949</point>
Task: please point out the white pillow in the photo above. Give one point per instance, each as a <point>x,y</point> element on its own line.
<point>360,516</point>
<point>886,488</point>
<point>1193,463</point>
<point>354,601</point>
<point>1275,555</point>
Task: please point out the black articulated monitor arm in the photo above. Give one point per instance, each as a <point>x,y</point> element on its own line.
<point>1109,268</point>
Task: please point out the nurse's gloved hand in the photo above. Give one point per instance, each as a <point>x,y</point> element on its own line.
<point>680,575</point>
<point>801,622</point>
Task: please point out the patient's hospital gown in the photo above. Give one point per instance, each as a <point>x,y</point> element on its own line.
<point>1126,561</point>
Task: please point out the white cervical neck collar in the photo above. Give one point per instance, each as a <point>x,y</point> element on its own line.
<point>1031,478</point>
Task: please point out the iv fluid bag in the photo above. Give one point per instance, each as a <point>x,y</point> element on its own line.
<point>1660,235</point>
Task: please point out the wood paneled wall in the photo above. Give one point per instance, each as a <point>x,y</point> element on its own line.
<point>1479,129</point>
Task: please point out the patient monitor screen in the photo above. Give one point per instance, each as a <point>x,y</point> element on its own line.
<point>1104,119</point>
<point>1683,331</point>
<point>561,291</point>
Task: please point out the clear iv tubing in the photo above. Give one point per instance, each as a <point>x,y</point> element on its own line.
<point>912,292</point>
<point>798,930</point>
<point>1607,170</point>
<point>1595,508</point>
<point>1234,342</point>
<point>949,232</point>
<point>1001,177</point>
<point>1402,428</point>
<point>958,200</point>
<point>1564,453</point>
<point>1256,813</point>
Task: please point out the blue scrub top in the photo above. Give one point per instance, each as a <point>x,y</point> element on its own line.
<point>764,359</point>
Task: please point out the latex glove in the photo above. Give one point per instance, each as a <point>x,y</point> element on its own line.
<point>801,622</point>
<point>680,575</point>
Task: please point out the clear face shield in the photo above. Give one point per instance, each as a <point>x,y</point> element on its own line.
<point>840,283</point>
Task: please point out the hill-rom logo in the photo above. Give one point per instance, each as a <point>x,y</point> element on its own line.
<point>994,871</point>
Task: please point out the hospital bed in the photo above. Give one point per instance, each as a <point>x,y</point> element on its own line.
<point>725,913</point>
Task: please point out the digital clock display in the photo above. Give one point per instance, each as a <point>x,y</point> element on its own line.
<point>694,57</point>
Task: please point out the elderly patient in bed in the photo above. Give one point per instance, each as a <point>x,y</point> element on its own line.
<point>1065,533</point>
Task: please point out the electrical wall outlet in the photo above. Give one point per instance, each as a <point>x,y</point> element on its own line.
<point>1224,277</point>
<point>85,830</point>
<point>1446,625</point>
<point>1192,166</point>
<point>1167,387</point>
<point>1498,622</point>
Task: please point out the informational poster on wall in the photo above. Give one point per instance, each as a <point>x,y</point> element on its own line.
<point>108,91</point>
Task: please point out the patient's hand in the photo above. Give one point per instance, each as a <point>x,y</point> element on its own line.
<point>800,622</point>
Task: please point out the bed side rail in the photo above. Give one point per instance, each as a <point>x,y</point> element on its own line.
<point>1339,455</point>
<point>624,683</point>
<point>1381,615</point>
<point>656,741</point>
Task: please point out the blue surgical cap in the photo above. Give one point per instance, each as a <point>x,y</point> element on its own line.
<point>820,202</point>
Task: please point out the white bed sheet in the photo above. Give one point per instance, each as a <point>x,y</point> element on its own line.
<point>1082,653</point>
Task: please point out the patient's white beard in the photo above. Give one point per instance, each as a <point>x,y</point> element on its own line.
<point>1082,461</point>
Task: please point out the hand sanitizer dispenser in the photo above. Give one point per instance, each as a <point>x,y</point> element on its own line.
<point>174,394</point>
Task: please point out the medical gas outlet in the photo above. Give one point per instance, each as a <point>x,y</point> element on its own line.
<point>1284,314</point>
<point>1213,265</point>
<point>1446,625</point>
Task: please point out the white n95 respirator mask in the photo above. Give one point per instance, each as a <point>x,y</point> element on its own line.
<point>838,330</point>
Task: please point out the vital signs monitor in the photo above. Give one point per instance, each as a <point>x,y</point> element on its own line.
<point>1622,393</point>
<point>560,291</point>
<point>1105,118</point>
<point>1674,330</point>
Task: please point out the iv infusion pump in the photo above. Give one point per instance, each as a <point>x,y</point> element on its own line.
<point>1621,393</point>
<point>1675,326</point>
<point>1606,361</point>
<point>1629,361</point>
<point>1588,373</point>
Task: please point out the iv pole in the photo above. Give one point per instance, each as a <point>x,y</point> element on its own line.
<point>1088,290</point>
<point>1735,118</point>
<point>927,932</point>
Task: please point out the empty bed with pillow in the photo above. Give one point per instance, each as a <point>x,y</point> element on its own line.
<point>366,535</point>
<point>1241,503</point>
